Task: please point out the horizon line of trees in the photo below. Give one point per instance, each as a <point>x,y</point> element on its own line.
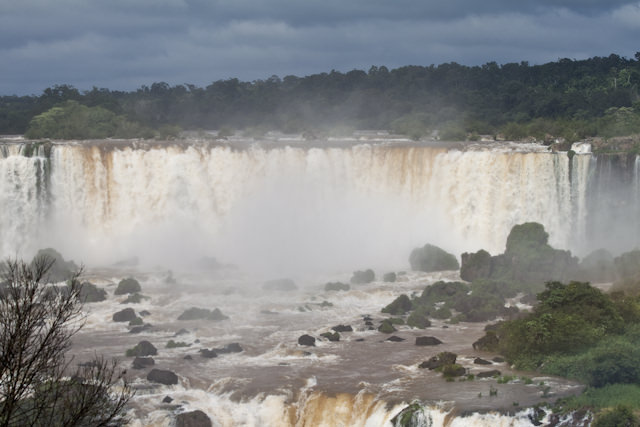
<point>568,98</point>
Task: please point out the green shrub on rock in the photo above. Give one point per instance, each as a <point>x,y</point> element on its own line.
<point>400,305</point>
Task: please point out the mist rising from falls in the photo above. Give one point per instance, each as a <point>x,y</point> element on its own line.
<point>283,209</point>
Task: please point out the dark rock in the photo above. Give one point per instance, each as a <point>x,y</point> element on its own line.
<point>400,305</point>
<point>136,322</point>
<point>498,359</point>
<point>162,377</point>
<point>386,327</point>
<point>286,285</point>
<point>307,340</point>
<point>418,320</point>
<point>432,258</point>
<point>143,362</point>
<point>342,328</point>
<point>167,399</point>
<point>488,374</point>
<point>61,270</point>
<point>126,315</point>
<point>143,348</point>
<point>475,265</point>
<point>188,357</point>
<point>195,313</point>
<point>193,419</point>
<point>331,336</point>
<point>442,359</point>
<point>144,313</point>
<point>91,293</point>
<point>367,318</point>
<point>389,277</point>
<point>336,286</point>
<point>368,323</point>
<point>208,354</point>
<point>427,341</point>
<point>362,277</point>
<point>479,361</point>
<point>181,332</point>
<point>360,339</point>
<point>489,342</point>
<point>139,329</point>
<point>234,347</point>
<point>128,286</point>
<point>394,338</point>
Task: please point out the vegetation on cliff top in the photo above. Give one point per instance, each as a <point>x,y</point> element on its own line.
<point>567,98</point>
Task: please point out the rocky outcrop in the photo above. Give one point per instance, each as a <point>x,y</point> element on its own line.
<point>389,277</point>
<point>307,340</point>
<point>480,361</point>
<point>91,293</point>
<point>193,419</point>
<point>427,341</point>
<point>432,258</point>
<point>331,336</point>
<point>143,348</point>
<point>128,286</point>
<point>142,362</point>
<point>342,328</point>
<point>363,277</point>
<point>488,374</point>
<point>336,286</point>
<point>208,354</point>
<point>475,265</point>
<point>126,315</point>
<point>442,359</point>
<point>162,376</point>
<point>398,306</point>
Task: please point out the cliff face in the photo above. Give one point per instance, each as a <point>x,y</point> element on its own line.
<point>102,200</point>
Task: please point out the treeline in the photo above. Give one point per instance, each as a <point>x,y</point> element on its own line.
<point>567,98</point>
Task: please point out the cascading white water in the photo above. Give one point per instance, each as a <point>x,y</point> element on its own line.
<point>284,207</point>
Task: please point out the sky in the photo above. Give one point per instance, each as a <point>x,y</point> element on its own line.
<point>124,44</point>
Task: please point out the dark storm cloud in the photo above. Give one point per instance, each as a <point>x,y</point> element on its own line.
<point>122,44</point>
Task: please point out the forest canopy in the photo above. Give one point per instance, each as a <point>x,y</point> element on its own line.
<point>572,99</point>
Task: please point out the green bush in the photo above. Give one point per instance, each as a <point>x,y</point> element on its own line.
<point>432,258</point>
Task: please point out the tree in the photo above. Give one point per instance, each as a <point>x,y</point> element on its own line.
<point>37,383</point>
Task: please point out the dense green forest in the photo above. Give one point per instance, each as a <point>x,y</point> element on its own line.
<point>567,98</point>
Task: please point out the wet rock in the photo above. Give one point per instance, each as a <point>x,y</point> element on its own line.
<point>128,286</point>
<point>188,357</point>
<point>234,347</point>
<point>475,265</point>
<point>453,370</point>
<point>126,315</point>
<point>389,277</point>
<point>336,286</point>
<point>331,336</point>
<point>208,354</point>
<point>488,374</point>
<point>427,341</point>
<point>307,340</point>
<point>479,361</point>
<point>442,359</point>
<point>143,362</point>
<point>359,339</point>
<point>367,318</point>
<point>143,348</point>
<point>134,298</point>
<point>286,285</point>
<point>61,270</point>
<point>162,377</point>
<point>394,338</point>
<point>386,327</point>
<point>498,359</point>
<point>193,419</point>
<point>342,328</point>
<point>91,293</point>
<point>167,399</point>
<point>139,329</point>
<point>432,258</point>
<point>195,313</point>
<point>181,332</point>
<point>362,277</point>
<point>144,313</point>
<point>368,323</point>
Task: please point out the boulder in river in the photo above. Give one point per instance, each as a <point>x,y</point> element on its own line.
<point>432,258</point>
<point>307,340</point>
<point>162,376</point>
<point>128,286</point>
<point>193,419</point>
<point>143,348</point>
<point>427,341</point>
<point>195,313</point>
<point>143,362</point>
<point>126,315</point>
<point>362,277</point>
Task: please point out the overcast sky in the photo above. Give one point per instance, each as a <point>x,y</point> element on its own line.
<point>123,44</point>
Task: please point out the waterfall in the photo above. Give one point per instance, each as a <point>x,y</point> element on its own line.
<point>284,207</point>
